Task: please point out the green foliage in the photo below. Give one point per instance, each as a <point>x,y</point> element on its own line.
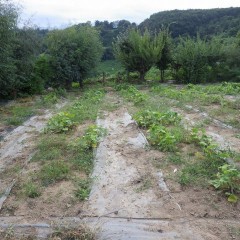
<point>199,173</point>
<point>62,122</point>
<point>162,138</point>
<point>91,138</point>
<point>83,189</point>
<point>131,93</point>
<point>207,22</point>
<point>74,52</point>
<point>227,179</point>
<point>31,190</point>
<point>19,114</point>
<point>165,59</point>
<point>210,149</point>
<point>42,72</point>
<point>53,172</point>
<point>195,59</point>
<point>137,52</point>
<point>147,118</point>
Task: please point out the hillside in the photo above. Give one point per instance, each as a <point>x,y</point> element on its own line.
<point>189,22</point>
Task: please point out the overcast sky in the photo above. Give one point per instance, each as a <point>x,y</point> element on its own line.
<point>60,13</point>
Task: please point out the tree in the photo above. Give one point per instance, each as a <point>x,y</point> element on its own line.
<point>74,52</point>
<point>191,55</point>
<point>166,56</point>
<point>137,52</point>
<point>8,23</point>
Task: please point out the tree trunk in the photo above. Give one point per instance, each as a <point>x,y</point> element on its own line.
<point>68,84</point>
<point>162,76</point>
<point>142,76</point>
<point>103,78</point>
<point>80,83</point>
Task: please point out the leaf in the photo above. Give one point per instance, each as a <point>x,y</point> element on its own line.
<point>232,198</point>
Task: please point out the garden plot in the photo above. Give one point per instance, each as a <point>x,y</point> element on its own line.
<point>138,190</point>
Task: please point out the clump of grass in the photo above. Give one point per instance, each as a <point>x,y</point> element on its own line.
<point>83,189</point>
<point>31,190</point>
<point>51,147</point>
<point>200,172</point>
<point>53,172</point>
<point>18,114</point>
<point>83,232</point>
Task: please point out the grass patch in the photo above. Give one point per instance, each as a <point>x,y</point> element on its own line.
<point>83,232</point>
<point>19,114</point>
<point>83,189</point>
<point>31,190</point>
<point>53,172</point>
<point>51,147</point>
<point>199,172</point>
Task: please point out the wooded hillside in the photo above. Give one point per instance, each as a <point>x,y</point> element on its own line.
<point>224,21</point>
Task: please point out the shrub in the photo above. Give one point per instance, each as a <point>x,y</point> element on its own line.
<point>62,122</point>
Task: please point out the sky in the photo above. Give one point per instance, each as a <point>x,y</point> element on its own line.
<point>62,13</point>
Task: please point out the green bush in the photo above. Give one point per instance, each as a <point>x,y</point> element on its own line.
<point>162,138</point>
<point>228,180</point>
<point>147,118</point>
<point>62,122</point>
<point>91,138</point>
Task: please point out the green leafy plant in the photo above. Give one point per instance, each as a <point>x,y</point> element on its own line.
<point>62,122</point>
<point>146,118</point>
<point>83,190</point>
<point>228,180</point>
<point>31,190</point>
<point>161,137</point>
<point>91,138</point>
<point>133,94</point>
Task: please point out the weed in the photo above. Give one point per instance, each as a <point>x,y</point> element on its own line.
<point>147,118</point>
<point>31,190</point>
<point>91,138</point>
<point>175,159</point>
<point>160,137</point>
<point>83,189</point>
<point>228,180</point>
<point>83,160</point>
<point>19,114</point>
<point>132,94</point>
<point>53,172</point>
<point>81,233</point>
<point>62,122</point>
<point>199,173</point>
<point>146,183</point>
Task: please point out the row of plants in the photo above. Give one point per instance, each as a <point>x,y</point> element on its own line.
<point>208,165</point>
<point>60,156</point>
<point>131,93</point>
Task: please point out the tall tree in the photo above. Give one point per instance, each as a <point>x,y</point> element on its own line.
<point>8,24</point>
<point>137,52</point>
<point>162,63</point>
<point>74,52</point>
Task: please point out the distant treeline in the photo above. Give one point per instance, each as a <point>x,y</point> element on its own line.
<point>225,21</point>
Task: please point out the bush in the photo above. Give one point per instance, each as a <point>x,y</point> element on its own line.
<point>62,122</point>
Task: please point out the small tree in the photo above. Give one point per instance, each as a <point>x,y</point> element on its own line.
<point>192,57</point>
<point>74,52</point>
<point>137,52</point>
<point>166,56</point>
